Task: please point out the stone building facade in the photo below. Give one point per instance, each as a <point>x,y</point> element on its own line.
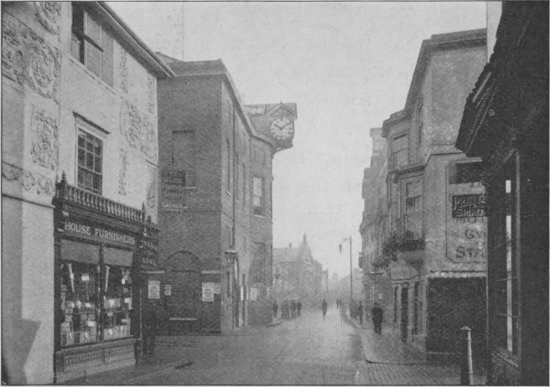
<point>505,123</point>
<point>79,177</point>
<point>373,229</point>
<point>435,247</point>
<point>216,159</point>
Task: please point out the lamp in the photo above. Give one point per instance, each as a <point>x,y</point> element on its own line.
<point>230,256</point>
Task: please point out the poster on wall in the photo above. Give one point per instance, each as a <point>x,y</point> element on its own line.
<point>208,291</point>
<point>167,290</point>
<point>153,291</point>
<point>217,288</point>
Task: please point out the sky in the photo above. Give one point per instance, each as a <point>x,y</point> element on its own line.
<point>347,66</point>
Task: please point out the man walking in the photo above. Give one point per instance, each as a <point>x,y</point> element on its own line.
<point>324,307</point>
<point>299,307</point>
<point>292,308</point>
<point>275,307</point>
<point>377,318</point>
<point>360,312</point>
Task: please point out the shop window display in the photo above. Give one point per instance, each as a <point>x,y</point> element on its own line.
<point>79,303</point>
<point>117,302</point>
<point>83,285</point>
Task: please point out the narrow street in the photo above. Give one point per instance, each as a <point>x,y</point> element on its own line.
<point>308,350</point>
<point>305,350</point>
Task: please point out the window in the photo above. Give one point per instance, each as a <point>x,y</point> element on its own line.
<point>258,196</point>
<point>237,185</point>
<point>420,121</point>
<point>95,298</point>
<point>92,45</point>
<point>400,147</point>
<point>244,185</point>
<point>228,160</point>
<point>465,172</point>
<point>413,207</point>
<point>90,156</point>
<point>503,267</point>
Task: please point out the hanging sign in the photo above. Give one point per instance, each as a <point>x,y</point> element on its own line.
<point>154,290</point>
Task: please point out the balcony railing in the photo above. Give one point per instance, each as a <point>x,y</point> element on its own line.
<point>89,200</point>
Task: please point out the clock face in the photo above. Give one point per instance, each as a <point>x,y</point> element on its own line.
<point>281,128</point>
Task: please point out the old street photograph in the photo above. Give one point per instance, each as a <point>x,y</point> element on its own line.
<point>275,193</point>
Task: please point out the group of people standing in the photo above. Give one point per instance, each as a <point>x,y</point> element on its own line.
<point>289,309</point>
<point>377,314</point>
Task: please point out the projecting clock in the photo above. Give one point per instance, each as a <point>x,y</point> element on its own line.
<point>281,128</point>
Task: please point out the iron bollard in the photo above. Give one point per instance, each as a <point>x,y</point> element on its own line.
<point>466,367</point>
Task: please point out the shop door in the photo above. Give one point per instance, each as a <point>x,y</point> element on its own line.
<point>404,313</point>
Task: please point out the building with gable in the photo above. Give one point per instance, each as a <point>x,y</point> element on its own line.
<point>79,188</point>
<point>215,218</point>
<point>298,276</point>
<point>435,248</point>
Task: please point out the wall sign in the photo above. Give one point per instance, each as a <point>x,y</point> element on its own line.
<point>208,291</point>
<point>153,291</point>
<point>167,290</point>
<point>464,206</point>
<point>173,190</point>
<point>88,230</point>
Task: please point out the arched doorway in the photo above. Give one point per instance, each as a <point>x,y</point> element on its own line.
<point>183,305</point>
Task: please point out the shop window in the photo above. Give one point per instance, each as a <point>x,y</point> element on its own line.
<point>503,267</point>
<point>465,172</point>
<point>95,299</point>
<point>90,164</point>
<point>92,45</point>
<point>258,196</point>
<point>183,143</point>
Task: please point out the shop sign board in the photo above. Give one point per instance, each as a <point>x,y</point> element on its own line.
<point>84,229</point>
<point>153,291</point>
<point>173,190</point>
<point>208,291</point>
<point>466,234</point>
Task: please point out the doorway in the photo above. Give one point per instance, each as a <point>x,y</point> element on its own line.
<point>404,313</point>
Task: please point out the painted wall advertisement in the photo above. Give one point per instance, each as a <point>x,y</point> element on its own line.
<point>466,223</point>
<point>173,190</point>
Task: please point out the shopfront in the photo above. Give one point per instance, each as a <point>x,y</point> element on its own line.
<point>102,249</point>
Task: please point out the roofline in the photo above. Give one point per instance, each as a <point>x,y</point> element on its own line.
<point>131,39</point>
<point>224,73</point>
<point>440,42</point>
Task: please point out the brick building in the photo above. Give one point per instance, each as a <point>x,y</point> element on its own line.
<point>505,123</point>
<point>79,176</point>
<point>435,247</point>
<point>373,229</point>
<point>216,214</point>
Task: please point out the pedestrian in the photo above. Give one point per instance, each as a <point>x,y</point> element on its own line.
<point>360,312</point>
<point>292,308</point>
<point>324,307</point>
<point>377,318</point>
<point>150,327</point>
<point>275,307</point>
<point>337,303</point>
<point>299,307</point>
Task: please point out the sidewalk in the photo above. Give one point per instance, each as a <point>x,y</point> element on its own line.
<point>390,361</point>
<point>170,354</point>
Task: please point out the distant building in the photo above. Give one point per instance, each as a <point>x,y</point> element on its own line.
<point>301,277</point>
<point>373,228</point>
<point>505,122</point>
<point>215,215</point>
<point>79,181</point>
<point>435,247</point>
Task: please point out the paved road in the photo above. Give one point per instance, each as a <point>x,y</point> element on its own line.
<point>305,350</point>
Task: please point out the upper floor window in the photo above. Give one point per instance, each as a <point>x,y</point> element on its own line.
<point>258,195</point>
<point>90,156</point>
<point>400,148</point>
<point>413,207</point>
<point>420,121</point>
<point>92,45</point>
